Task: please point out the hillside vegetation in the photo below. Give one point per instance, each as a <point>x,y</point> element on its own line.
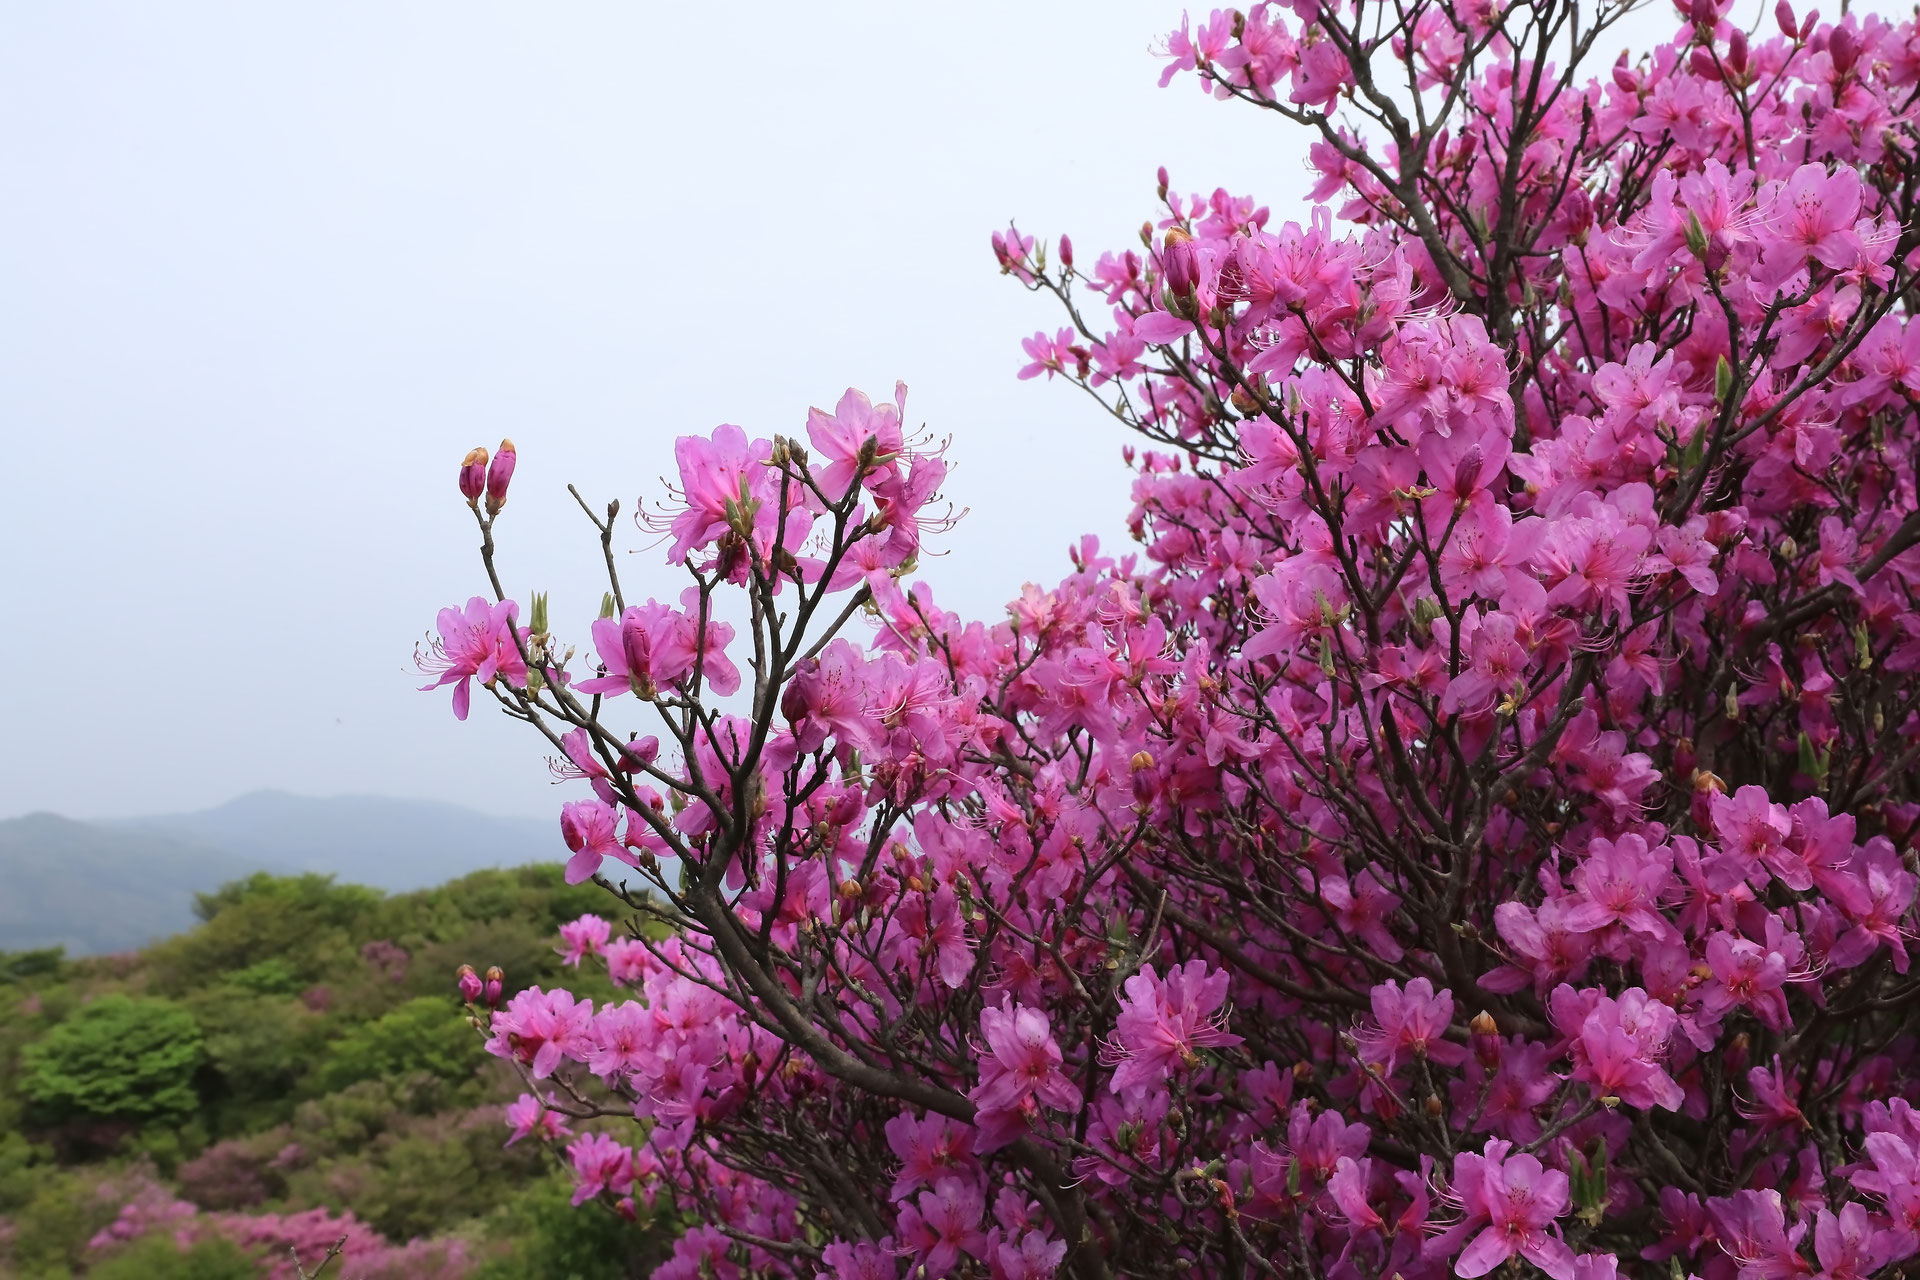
<point>296,1067</point>
<point>100,887</point>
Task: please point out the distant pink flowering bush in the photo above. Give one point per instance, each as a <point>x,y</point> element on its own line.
<point>1474,828</point>
<point>288,1245</point>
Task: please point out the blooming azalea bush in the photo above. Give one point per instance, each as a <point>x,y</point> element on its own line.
<point>1474,829</point>
<point>290,1246</point>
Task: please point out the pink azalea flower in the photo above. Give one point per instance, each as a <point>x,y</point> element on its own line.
<point>1521,1199</point>
<point>1019,1071</point>
<point>474,644</point>
<point>600,1164</point>
<point>839,437</point>
<point>1163,1023</point>
<point>591,830</point>
<point>1409,1024</point>
<point>584,937</point>
<point>531,1117</point>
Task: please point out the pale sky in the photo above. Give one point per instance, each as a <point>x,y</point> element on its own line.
<point>269,271</point>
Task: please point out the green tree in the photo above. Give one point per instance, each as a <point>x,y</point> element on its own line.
<point>307,923</point>
<point>427,1034</point>
<point>117,1058</point>
<point>157,1257</point>
<point>553,1240</point>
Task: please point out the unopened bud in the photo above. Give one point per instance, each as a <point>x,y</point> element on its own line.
<point>1484,1033</point>
<point>469,982</point>
<point>538,614</point>
<point>473,475</point>
<point>1177,258</point>
<point>1141,760</point>
<point>496,985</point>
<point>1787,547</point>
<point>1466,472</point>
<point>1783,14</point>
<point>1703,13</point>
<point>607,606</point>
<point>639,752</point>
<point>1434,1108</point>
<point>1696,235</point>
<point>1624,77</point>
<point>1066,252</point>
<point>1844,48</point>
<point>793,703</point>
<point>1737,51</point>
<point>1162,177</point>
<point>1702,63</point>
<point>499,476</point>
<point>1577,209</point>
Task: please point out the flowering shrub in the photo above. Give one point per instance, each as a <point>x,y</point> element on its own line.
<point>1475,828</point>
<point>286,1246</point>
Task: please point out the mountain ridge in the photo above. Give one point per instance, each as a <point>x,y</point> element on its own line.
<point>112,885</point>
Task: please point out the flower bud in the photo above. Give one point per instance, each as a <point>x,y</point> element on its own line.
<point>1737,51</point>
<point>1807,27</point>
<point>499,476</point>
<point>1466,472</point>
<point>793,703</point>
<point>1000,248</point>
<point>1702,63</point>
<point>469,982</point>
<point>1177,258</point>
<point>1703,13</point>
<point>1625,79</point>
<point>1577,209</point>
<point>1696,234</point>
<point>1844,48</point>
<point>496,985</point>
<point>1066,252</point>
<point>1783,14</point>
<point>1484,1034</point>
<point>1162,177</point>
<point>473,475</point>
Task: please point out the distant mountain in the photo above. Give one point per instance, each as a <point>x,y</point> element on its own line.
<point>102,887</point>
<point>372,840</point>
<point>92,890</point>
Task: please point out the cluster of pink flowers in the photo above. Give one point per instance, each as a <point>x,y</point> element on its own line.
<point>288,1245</point>
<point>1477,821</point>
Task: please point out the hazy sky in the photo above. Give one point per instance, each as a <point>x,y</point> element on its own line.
<point>269,271</point>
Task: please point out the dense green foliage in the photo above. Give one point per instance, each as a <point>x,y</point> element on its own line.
<point>301,1048</point>
<point>116,1058</point>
